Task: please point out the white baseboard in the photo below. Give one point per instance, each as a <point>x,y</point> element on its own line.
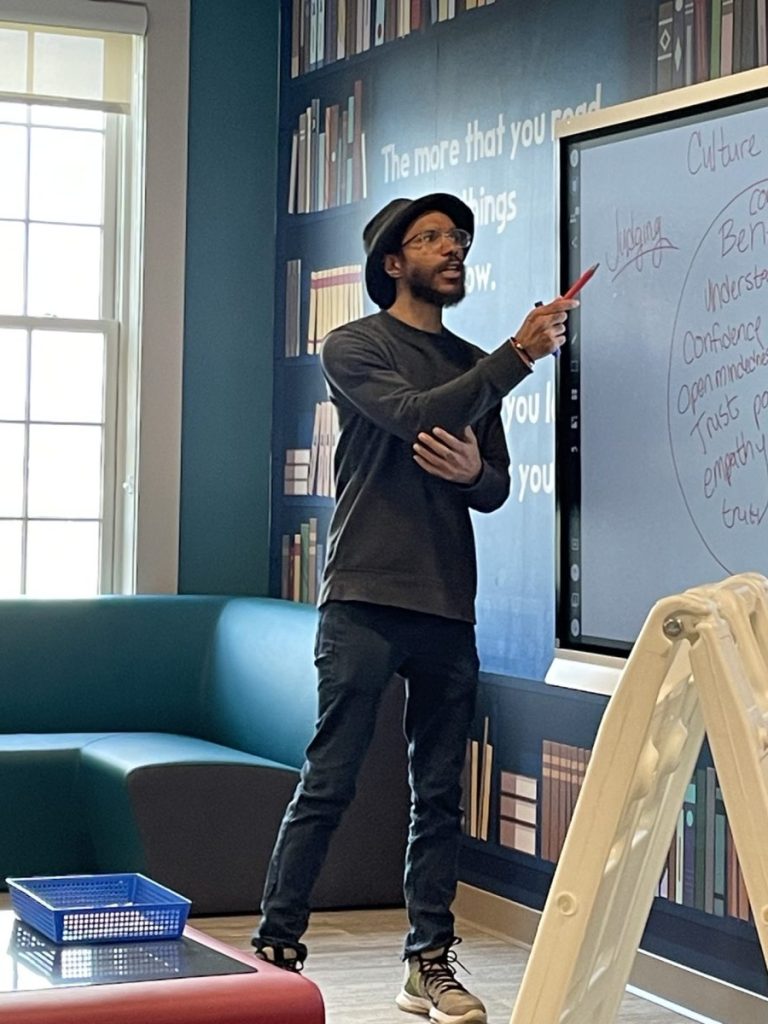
<point>687,992</point>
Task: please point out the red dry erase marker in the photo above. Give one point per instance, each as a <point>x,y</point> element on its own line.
<point>578,284</point>
<point>574,290</point>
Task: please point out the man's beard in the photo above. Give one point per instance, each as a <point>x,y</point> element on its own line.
<point>421,289</point>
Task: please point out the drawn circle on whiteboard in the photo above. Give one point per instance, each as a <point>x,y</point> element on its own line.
<point>717,383</point>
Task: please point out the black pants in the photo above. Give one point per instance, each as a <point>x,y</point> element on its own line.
<point>359,648</point>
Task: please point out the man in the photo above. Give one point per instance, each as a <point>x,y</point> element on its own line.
<point>421,443</point>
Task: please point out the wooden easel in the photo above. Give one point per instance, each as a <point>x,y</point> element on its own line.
<point>699,665</point>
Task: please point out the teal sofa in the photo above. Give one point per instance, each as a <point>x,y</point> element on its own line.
<point>165,735</point>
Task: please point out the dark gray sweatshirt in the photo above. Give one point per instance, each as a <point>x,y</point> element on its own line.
<point>398,535</point>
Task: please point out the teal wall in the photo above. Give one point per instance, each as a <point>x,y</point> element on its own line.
<point>227,399</point>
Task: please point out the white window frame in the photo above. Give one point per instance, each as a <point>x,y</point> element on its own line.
<point>149,485</point>
<point>159,303</point>
<point>119,236</point>
<point>110,457</point>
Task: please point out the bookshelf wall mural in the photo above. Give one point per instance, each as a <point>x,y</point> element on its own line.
<point>526,761</point>
<point>386,98</point>
<point>532,814</point>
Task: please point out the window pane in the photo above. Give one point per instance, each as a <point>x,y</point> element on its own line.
<point>67,377</point>
<point>11,469</point>
<point>13,374</point>
<point>13,60</point>
<point>15,112</point>
<point>11,268</point>
<point>64,471</point>
<point>64,271</point>
<point>66,117</point>
<point>69,66</point>
<point>10,558</point>
<point>62,559</point>
<point>13,171</point>
<point>66,176</point>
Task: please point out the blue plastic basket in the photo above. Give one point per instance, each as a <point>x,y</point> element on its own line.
<point>99,908</point>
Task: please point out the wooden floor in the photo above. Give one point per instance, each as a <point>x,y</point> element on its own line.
<point>355,960</point>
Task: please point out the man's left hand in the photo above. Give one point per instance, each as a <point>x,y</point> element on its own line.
<point>456,459</point>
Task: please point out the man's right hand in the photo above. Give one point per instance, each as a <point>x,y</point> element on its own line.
<point>543,330</point>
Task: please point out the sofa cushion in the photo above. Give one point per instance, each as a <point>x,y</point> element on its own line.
<point>196,816</point>
<point>124,752</point>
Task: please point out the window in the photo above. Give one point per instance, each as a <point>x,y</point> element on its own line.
<point>68,237</point>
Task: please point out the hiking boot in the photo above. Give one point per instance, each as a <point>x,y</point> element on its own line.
<point>430,987</point>
<point>281,956</point>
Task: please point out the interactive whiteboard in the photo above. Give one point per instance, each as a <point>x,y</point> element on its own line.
<point>663,385</point>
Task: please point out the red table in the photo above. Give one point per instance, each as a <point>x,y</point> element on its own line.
<point>265,995</point>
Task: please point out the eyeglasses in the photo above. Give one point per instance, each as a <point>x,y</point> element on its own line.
<point>432,238</point>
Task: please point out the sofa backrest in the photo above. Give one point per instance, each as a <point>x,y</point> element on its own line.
<point>260,694</point>
<point>237,671</point>
<point>131,663</point>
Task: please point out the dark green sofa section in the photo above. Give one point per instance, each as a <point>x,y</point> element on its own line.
<point>165,735</point>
